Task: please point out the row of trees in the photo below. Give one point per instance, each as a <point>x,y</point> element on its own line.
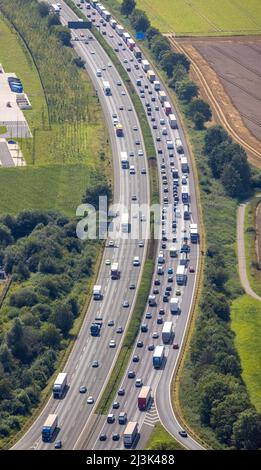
<point>47,263</point>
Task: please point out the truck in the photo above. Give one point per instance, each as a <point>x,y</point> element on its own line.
<point>113,23</point>
<point>144,398</point>
<point>106,15</point>
<point>173,121</point>
<point>167,108</point>
<point>119,130</point>
<point>55,9</point>
<point>130,44</point>
<point>151,75</point>
<point>185,194</point>
<point>106,87</point>
<point>186,214</point>
<point>183,261</point>
<point>137,53</point>
<point>162,96</point>
<point>59,385</point>
<point>119,29</point>
<point>167,332</point>
<point>179,145</point>
<point>174,305</point>
<point>181,277</point>
<point>124,160</point>
<point>194,235</point>
<point>184,165</point>
<point>152,300</point>
<point>173,251</point>
<point>115,273</point>
<point>158,356</point>
<point>49,427</point>
<point>125,226</point>
<point>145,65</point>
<point>156,85</point>
<point>95,328</point>
<point>97,292</point>
<point>130,433</point>
<point>125,36</point>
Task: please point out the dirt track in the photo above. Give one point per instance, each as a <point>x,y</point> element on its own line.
<point>228,72</point>
<point>258,232</point>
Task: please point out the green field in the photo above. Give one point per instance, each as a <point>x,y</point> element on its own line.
<point>204,17</point>
<point>160,439</point>
<point>246,322</point>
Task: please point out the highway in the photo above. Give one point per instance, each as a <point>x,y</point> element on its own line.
<point>73,410</point>
<point>158,380</point>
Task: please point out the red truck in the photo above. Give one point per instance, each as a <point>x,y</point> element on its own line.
<point>144,398</point>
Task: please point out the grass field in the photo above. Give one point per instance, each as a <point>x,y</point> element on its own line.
<point>254,275</point>
<point>204,17</point>
<point>62,160</point>
<point>246,322</point>
<point>160,439</point>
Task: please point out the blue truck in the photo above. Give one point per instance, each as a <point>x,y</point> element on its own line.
<point>158,356</point>
<point>49,427</point>
<point>95,328</point>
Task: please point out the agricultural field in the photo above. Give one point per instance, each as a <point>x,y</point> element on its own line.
<point>201,17</point>
<point>245,322</point>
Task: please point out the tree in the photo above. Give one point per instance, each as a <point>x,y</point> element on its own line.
<point>79,62</point>
<point>213,390</point>
<point>159,45</point>
<point>6,357</point>
<point>63,318</point>
<point>139,20</point>
<point>198,119</point>
<point>127,7</point>
<point>23,297</point>
<point>214,136</point>
<point>92,195</point>
<point>43,9</point>
<point>178,75</point>
<point>186,90</point>
<point>5,235</point>
<point>51,336</point>
<point>16,341</point>
<point>63,35</point>
<point>167,62</point>
<point>219,156</point>
<point>247,430</point>
<point>198,110</point>
<point>231,180</point>
<point>151,33</point>
<point>53,20</point>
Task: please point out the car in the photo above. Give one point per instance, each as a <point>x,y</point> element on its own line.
<point>125,304</point>
<point>123,93</point>
<point>140,344</point>
<point>134,198</point>
<point>95,364</point>
<point>115,436</point>
<point>137,142</point>
<point>103,437</point>
<point>159,321</point>
<point>92,52</point>
<point>112,343</point>
<point>178,292</point>
<point>151,347</point>
<point>134,128</point>
<point>121,108</point>
<point>170,279</point>
<point>167,293</point>
<point>129,109</point>
<point>115,405</point>
<point>119,330</point>
<point>160,151</point>
<point>110,418</point>
<point>158,139</point>
<point>140,153</point>
<point>143,171</point>
<point>163,245</point>
<point>125,61</point>
<point>148,315</point>
<point>131,374</point>
<point>170,270</point>
<point>135,358</point>
<point>90,400</point>
<point>83,389</point>
<point>86,42</point>
<point>156,108</point>
<point>183,433</point>
<point>111,323</point>
<point>157,282</point>
<point>154,126</point>
<point>175,346</point>
<point>143,218</point>
<point>161,311</point>
<point>116,49</point>
<point>58,445</point>
<point>118,83</point>
<point>141,243</point>
<point>111,244</point>
<point>155,291</point>
<point>142,95</point>
<point>131,154</point>
<point>121,391</point>
<point>109,65</point>
<point>191,269</point>
<point>155,335</point>
<point>132,286</point>
<point>107,262</point>
<point>144,328</point>
<point>110,36</point>
<point>165,298</point>
<point>169,288</point>
<point>138,383</point>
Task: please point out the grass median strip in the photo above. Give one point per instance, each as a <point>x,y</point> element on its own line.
<point>160,439</point>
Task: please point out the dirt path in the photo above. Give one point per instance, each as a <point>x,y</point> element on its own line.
<point>258,232</point>
<point>223,109</point>
<point>241,252</point>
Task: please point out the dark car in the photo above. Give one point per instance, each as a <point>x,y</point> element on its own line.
<point>183,433</point>
<point>140,344</point>
<point>169,288</point>
<point>115,437</point>
<point>157,282</point>
<point>116,404</point>
<point>161,311</point>
<point>151,347</point>
<point>135,359</point>
<point>103,437</point>
<point>159,321</point>
<point>165,298</point>
<point>121,392</point>
<point>131,374</point>
<point>83,389</point>
<point>58,445</point>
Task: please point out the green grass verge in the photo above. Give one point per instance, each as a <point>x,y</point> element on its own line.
<point>203,17</point>
<point>246,323</point>
<point>253,274</point>
<point>3,130</point>
<point>160,439</point>
<point>131,334</point>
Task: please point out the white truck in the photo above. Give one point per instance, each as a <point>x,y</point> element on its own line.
<point>60,385</point>
<point>162,96</point>
<point>151,75</point>
<point>49,427</point>
<point>158,356</point>
<point>125,36</point>
<point>119,29</point>
<point>130,433</point>
<point>184,165</point>
<point>194,234</point>
<point>115,273</point>
<point>125,223</point>
<point>173,121</point>
<point>106,87</point>
<point>167,332</point>
<point>124,160</point>
<point>145,65</point>
<point>174,305</point>
<point>179,145</point>
<point>185,194</point>
<point>181,277</point>
<point>97,292</point>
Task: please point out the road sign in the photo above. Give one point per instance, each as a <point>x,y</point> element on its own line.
<point>140,35</point>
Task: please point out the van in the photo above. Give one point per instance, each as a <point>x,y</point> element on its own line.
<point>122,418</point>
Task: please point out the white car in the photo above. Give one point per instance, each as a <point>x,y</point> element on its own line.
<point>125,61</point>
<point>140,153</point>
<point>134,128</point>
<point>138,383</point>
<point>92,52</point>
<point>143,218</point>
<point>107,262</point>
<point>112,343</point>
<point>155,335</point>
<point>90,400</point>
<point>141,243</point>
<point>109,65</point>
<point>123,93</point>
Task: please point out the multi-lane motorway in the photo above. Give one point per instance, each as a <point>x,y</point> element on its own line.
<point>74,414</point>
